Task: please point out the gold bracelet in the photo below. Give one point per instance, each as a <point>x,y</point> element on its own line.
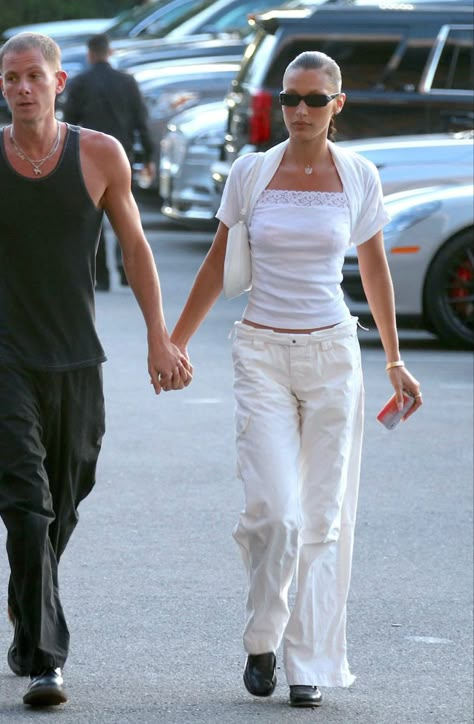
<point>396,363</point>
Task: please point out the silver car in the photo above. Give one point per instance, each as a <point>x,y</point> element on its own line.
<point>168,88</point>
<point>189,147</point>
<point>407,162</point>
<point>430,249</point>
<point>404,162</point>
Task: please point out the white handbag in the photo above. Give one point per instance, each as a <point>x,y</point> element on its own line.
<point>238,261</point>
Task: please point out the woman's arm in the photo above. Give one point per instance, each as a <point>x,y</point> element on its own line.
<point>378,287</point>
<point>205,290</point>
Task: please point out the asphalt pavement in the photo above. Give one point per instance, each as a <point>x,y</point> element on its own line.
<point>152,583</point>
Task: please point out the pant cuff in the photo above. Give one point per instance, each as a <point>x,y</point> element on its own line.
<point>322,678</point>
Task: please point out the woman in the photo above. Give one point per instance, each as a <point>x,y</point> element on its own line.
<point>298,381</point>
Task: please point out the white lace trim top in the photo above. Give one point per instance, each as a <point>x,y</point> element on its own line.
<point>303,198</point>
<point>298,242</point>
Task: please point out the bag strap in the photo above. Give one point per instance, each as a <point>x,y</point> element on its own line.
<point>250,187</point>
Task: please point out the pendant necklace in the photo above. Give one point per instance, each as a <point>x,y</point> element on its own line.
<point>308,170</point>
<point>36,164</point>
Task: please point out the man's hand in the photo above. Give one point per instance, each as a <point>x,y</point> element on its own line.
<point>168,367</point>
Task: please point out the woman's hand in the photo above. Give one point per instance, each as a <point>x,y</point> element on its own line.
<point>403,381</point>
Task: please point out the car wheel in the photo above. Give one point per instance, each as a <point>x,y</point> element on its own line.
<point>449,292</point>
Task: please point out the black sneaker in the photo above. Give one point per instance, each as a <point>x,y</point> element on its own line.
<point>46,689</point>
<point>305,696</point>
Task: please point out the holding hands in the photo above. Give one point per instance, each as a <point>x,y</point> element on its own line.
<point>169,368</point>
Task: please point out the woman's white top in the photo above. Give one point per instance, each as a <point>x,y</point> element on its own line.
<point>299,238</point>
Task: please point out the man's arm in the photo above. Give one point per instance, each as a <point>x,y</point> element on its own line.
<point>108,177</point>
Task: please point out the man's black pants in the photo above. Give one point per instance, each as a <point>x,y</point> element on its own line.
<point>51,429</point>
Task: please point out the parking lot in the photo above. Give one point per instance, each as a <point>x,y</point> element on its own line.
<point>152,582</point>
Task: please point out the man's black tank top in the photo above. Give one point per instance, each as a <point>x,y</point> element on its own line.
<point>49,231</point>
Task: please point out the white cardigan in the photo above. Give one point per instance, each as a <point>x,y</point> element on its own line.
<point>359,176</point>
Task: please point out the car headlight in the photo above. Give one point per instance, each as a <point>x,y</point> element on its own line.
<point>407,218</point>
<point>168,103</point>
<point>172,152</point>
<point>205,142</point>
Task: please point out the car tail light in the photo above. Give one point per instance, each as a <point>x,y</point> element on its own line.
<point>259,121</point>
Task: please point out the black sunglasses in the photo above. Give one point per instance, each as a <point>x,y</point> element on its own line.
<point>312,100</point>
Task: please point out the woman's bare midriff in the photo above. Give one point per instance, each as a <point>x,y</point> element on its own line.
<point>286,331</point>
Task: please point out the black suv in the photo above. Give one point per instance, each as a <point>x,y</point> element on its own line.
<point>405,69</point>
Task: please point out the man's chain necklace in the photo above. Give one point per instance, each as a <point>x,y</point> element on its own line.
<point>36,164</point>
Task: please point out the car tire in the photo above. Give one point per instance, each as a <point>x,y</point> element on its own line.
<point>449,292</point>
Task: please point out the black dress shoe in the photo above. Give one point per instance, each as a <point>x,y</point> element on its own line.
<point>305,696</point>
<point>259,674</point>
<point>46,689</point>
<point>15,663</point>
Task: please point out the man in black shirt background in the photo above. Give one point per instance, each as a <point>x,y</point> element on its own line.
<point>108,100</point>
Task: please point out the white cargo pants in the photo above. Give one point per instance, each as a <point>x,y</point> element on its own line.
<point>299,423</point>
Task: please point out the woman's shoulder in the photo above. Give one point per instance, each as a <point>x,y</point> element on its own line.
<point>246,161</point>
<point>269,160</point>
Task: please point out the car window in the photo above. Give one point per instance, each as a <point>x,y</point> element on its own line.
<point>455,67</point>
<point>404,72</point>
<point>235,17</point>
<point>156,19</point>
<point>253,65</point>
<point>128,19</point>
<point>393,59</point>
<point>174,17</point>
<point>224,17</point>
<point>363,61</point>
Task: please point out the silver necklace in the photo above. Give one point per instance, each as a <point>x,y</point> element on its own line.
<point>308,170</point>
<point>36,164</point>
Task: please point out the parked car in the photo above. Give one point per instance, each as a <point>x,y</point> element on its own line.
<point>170,87</point>
<point>408,162</point>
<point>430,248</point>
<point>188,148</point>
<point>406,69</point>
<point>64,31</point>
<point>168,23</point>
<point>403,162</point>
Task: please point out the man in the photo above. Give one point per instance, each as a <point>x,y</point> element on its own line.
<point>108,100</point>
<point>58,181</point>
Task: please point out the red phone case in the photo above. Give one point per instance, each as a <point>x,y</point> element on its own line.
<point>390,415</point>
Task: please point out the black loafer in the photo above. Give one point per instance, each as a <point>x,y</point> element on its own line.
<point>305,696</point>
<point>14,660</point>
<point>46,689</point>
<point>259,674</point>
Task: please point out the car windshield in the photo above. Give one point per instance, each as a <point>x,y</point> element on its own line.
<point>223,16</point>
<point>155,20</point>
